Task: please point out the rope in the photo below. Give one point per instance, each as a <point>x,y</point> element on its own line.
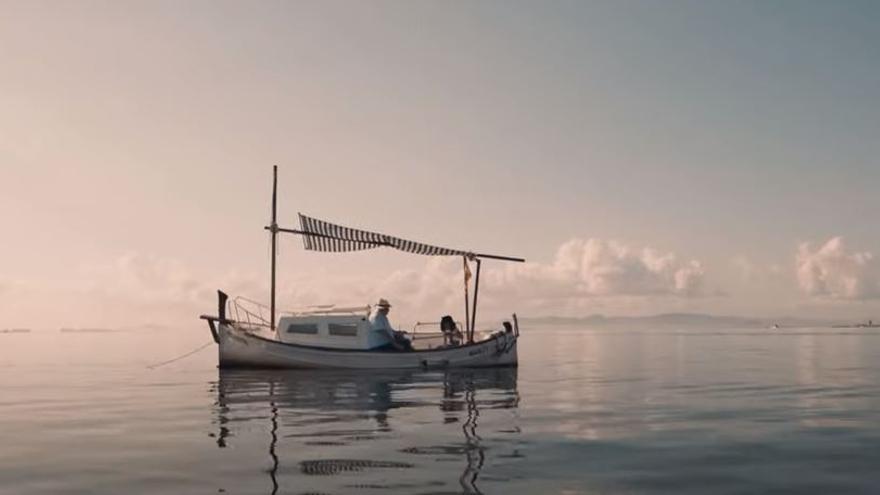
<point>178,358</point>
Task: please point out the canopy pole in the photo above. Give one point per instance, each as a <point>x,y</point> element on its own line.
<point>467,311</point>
<point>382,243</point>
<point>476,293</point>
<point>274,230</point>
<point>501,258</point>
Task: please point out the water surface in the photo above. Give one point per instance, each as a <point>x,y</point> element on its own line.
<point>589,410</point>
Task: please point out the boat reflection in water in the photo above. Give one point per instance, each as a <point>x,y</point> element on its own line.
<point>363,432</point>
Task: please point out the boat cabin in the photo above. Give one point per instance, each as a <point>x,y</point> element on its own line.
<point>342,328</point>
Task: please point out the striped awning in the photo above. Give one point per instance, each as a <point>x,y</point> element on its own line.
<point>319,235</point>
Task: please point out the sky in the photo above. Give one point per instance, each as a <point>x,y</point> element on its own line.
<point>644,157</point>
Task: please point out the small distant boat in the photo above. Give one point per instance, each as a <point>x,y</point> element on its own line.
<point>15,330</point>
<point>248,334</point>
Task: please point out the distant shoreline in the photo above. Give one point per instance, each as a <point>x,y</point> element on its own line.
<point>87,330</point>
<point>693,319</point>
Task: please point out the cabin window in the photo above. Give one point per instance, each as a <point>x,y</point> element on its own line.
<point>305,328</point>
<point>343,330</point>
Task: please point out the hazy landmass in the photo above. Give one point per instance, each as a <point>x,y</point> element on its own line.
<point>692,320</point>
<point>146,327</point>
<point>87,330</point>
<point>685,320</point>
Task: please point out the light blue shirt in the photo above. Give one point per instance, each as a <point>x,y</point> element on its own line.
<point>381,332</point>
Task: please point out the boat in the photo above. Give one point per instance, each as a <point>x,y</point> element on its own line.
<point>249,334</point>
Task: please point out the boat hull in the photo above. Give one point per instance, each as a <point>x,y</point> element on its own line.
<point>239,347</point>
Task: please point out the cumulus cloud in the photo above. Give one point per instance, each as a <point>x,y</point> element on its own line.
<point>831,271</point>
<point>149,278</point>
<point>595,267</point>
<point>752,272</point>
<point>746,268</point>
<point>433,289</point>
<point>136,288</point>
<point>584,275</point>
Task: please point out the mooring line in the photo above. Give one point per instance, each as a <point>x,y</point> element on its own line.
<point>178,358</point>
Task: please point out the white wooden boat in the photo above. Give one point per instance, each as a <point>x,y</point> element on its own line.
<point>331,337</point>
<point>243,347</point>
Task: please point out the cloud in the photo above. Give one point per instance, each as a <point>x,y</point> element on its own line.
<point>151,278</point>
<point>752,272</point>
<point>584,275</point>
<point>600,268</point>
<point>136,288</point>
<point>439,284</point>
<point>745,267</point>
<point>830,271</point>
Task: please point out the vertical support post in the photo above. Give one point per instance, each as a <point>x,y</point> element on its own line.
<point>274,234</point>
<point>467,297</point>
<point>474,312</point>
<point>221,304</point>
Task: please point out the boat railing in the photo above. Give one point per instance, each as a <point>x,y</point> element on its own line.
<point>244,310</point>
<point>329,310</point>
<point>429,334</point>
<point>253,313</point>
<point>485,333</point>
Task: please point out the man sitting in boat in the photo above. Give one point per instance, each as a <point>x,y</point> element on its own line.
<point>382,336</point>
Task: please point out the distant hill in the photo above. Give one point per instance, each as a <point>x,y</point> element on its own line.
<point>87,330</point>
<point>679,320</point>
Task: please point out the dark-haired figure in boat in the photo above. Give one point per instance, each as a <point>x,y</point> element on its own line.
<point>382,336</point>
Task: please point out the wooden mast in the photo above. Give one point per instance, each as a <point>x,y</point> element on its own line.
<point>274,230</point>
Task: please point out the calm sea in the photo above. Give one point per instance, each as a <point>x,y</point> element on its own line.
<point>598,411</point>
